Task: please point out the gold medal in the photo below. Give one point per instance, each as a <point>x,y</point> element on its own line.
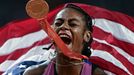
<point>37,8</point>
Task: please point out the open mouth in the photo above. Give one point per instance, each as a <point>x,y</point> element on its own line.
<point>66,39</point>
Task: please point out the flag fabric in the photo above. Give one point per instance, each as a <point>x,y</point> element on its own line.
<point>21,42</point>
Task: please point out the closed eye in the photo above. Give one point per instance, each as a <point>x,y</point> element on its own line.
<point>72,25</point>
<point>58,24</point>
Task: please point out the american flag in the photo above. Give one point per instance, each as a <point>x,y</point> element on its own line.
<point>22,41</point>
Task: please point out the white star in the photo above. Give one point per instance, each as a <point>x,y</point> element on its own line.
<point>22,66</point>
<point>10,73</point>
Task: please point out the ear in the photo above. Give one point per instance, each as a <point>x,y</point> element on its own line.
<point>87,36</point>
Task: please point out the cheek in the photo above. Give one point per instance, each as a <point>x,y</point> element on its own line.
<point>55,28</point>
<point>78,33</point>
<point>78,40</point>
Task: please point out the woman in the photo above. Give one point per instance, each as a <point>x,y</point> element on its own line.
<point>74,27</point>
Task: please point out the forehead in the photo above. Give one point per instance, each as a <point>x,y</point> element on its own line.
<point>69,13</point>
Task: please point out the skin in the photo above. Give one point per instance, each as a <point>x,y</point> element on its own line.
<point>71,24</point>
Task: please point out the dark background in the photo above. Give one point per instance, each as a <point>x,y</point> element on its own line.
<point>15,9</point>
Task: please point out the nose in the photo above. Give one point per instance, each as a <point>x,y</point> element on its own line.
<point>64,26</point>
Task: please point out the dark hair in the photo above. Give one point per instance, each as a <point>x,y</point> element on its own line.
<point>86,50</point>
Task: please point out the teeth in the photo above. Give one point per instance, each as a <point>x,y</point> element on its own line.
<point>64,36</point>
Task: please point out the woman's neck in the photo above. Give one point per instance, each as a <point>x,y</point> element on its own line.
<point>67,66</point>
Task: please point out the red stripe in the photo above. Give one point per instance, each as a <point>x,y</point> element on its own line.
<point>100,34</point>
<point>1,73</point>
<point>97,12</point>
<point>107,66</point>
<point>16,54</point>
<point>100,46</point>
<point>18,29</point>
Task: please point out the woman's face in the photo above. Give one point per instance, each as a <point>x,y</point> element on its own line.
<point>70,26</point>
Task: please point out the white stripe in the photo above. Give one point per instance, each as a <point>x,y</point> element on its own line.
<point>108,57</point>
<point>21,42</point>
<point>109,73</point>
<point>116,29</point>
<point>6,64</point>
<point>126,55</point>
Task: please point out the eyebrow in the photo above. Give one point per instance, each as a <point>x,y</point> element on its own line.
<point>73,19</point>
<point>59,19</point>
